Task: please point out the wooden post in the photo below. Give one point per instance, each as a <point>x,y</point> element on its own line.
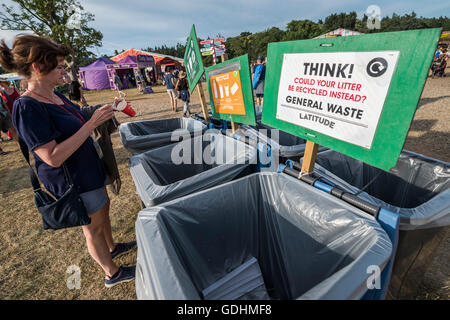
<point>203,101</point>
<point>224,57</point>
<point>309,157</point>
<point>234,126</point>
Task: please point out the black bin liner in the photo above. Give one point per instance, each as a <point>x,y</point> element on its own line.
<point>418,189</point>
<point>214,123</point>
<point>170,172</point>
<point>308,244</point>
<point>141,136</point>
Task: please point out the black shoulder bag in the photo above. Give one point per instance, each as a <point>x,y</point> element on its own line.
<point>65,212</point>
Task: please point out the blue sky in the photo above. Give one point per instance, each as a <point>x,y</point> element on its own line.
<point>139,23</point>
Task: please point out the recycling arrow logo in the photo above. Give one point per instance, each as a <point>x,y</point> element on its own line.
<point>377,67</point>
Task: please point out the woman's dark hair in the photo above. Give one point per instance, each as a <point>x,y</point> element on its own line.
<point>28,49</point>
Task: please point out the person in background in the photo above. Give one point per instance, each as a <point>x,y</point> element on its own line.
<point>58,134</point>
<point>139,82</point>
<point>258,76</point>
<point>8,95</point>
<point>437,53</point>
<point>6,124</point>
<point>125,81</point>
<point>183,87</point>
<point>117,82</point>
<point>75,90</point>
<point>148,77</point>
<point>169,82</point>
<point>119,86</point>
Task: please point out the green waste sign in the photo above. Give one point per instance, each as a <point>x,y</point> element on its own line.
<point>356,95</point>
<point>193,60</point>
<point>230,91</point>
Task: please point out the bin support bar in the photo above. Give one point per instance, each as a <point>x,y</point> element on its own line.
<point>316,182</point>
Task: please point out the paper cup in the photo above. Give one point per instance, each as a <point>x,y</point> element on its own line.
<point>125,108</point>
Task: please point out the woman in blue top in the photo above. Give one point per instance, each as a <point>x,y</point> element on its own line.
<point>57,131</point>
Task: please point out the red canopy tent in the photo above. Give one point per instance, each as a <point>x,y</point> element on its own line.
<point>162,61</point>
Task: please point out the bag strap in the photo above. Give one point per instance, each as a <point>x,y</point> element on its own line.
<point>33,177</point>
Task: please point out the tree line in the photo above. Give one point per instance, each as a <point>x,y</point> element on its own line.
<point>65,21</point>
<point>255,44</point>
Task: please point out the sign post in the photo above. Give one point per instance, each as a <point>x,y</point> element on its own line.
<point>194,69</point>
<point>309,157</point>
<point>356,95</point>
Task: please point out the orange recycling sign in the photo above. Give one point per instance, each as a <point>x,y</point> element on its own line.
<point>227,93</point>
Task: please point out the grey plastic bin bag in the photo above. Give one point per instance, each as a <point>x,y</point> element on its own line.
<point>282,143</point>
<point>308,244</point>
<point>141,136</point>
<point>169,172</point>
<point>418,187</point>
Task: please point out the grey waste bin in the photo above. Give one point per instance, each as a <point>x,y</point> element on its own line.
<point>140,136</point>
<point>418,189</point>
<point>308,244</point>
<point>170,172</point>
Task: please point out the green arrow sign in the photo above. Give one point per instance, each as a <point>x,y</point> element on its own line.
<point>193,60</point>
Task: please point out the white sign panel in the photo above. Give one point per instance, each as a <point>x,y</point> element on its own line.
<point>340,94</point>
<point>206,49</point>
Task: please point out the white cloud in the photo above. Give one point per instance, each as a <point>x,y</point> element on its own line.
<point>9,35</point>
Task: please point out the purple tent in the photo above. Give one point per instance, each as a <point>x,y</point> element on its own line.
<point>95,76</point>
<point>127,60</point>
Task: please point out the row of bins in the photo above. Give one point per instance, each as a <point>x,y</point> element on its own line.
<point>207,212</point>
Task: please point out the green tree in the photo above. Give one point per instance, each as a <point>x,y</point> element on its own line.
<point>302,29</point>
<point>64,21</point>
<point>259,41</point>
<point>116,52</point>
<point>341,20</point>
<point>239,45</point>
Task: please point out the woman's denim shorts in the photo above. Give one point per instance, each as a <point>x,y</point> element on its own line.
<point>94,200</point>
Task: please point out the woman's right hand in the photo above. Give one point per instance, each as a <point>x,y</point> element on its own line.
<point>101,115</point>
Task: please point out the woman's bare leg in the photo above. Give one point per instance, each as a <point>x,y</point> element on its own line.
<point>96,243</point>
<point>107,227</point>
